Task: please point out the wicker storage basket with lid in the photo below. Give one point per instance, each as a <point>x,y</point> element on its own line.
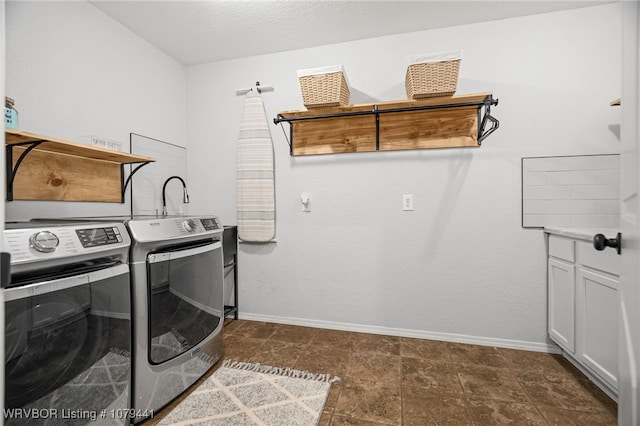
<point>432,75</point>
<point>324,87</point>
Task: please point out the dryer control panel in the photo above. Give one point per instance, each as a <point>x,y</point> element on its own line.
<point>144,229</point>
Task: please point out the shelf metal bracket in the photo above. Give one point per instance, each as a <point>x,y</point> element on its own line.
<point>126,183</point>
<point>374,110</point>
<point>483,132</point>
<point>11,170</point>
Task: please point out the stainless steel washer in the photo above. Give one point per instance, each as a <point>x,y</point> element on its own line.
<point>67,323</point>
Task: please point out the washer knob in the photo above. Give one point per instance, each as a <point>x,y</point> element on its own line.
<point>44,241</point>
<point>189,225</point>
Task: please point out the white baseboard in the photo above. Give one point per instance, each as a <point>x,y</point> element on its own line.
<point>612,393</point>
<point>403,332</point>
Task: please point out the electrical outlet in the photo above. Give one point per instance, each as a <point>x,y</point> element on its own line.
<point>407,202</point>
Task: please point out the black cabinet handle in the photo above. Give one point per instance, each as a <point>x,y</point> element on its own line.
<point>600,242</point>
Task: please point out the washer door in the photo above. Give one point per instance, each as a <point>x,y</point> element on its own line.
<point>67,346</point>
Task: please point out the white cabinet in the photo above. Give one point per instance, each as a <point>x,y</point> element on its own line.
<point>583,307</point>
<point>562,303</point>
<point>597,307</point>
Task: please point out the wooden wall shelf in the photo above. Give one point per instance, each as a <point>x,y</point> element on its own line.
<point>441,122</point>
<point>57,170</point>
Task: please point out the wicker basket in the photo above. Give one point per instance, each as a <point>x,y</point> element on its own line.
<point>324,87</point>
<point>432,76</point>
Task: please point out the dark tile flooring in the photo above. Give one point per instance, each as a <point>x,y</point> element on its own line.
<point>389,380</point>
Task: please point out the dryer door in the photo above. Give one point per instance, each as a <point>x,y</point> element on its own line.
<point>185,304</point>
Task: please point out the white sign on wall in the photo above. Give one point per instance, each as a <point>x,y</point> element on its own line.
<point>100,142</point>
<point>147,183</point>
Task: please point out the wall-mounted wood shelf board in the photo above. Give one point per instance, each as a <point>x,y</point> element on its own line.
<point>448,127</point>
<point>58,170</point>
<point>13,137</point>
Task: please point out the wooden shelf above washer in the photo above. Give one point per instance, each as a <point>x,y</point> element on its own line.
<point>59,146</point>
<point>45,168</point>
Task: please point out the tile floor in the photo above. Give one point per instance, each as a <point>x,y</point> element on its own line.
<point>398,381</point>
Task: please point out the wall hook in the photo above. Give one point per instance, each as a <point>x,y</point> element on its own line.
<point>258,88</point>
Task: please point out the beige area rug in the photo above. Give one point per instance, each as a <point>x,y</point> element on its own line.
<point>246,394</point>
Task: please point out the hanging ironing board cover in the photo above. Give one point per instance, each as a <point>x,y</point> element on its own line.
<point>255,173</point>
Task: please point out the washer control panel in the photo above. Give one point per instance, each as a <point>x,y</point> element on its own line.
<point>99,236</point>
<point>33,242</point>
<point>211,223</point>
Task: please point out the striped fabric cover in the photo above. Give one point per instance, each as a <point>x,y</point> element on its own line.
<point>256,178</point>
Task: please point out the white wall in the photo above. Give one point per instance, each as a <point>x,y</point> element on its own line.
<point>459,265</point>
<point>73,71</point>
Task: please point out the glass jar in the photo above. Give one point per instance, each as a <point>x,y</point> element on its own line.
<point>10,114</point>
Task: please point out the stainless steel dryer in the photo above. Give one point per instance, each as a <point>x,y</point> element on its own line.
<point>67,323</point>
<point>177,276</point>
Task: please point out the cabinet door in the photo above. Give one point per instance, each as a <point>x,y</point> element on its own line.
<point>561,283</point>
<point>597,324</point>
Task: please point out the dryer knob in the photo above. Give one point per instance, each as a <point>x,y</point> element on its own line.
<point>189,225</point>
<point>44,241</point>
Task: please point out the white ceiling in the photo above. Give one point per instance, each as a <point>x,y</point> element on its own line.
<point>200,31</point>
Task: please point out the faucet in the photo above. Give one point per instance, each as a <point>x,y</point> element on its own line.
<point>185,197</point>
